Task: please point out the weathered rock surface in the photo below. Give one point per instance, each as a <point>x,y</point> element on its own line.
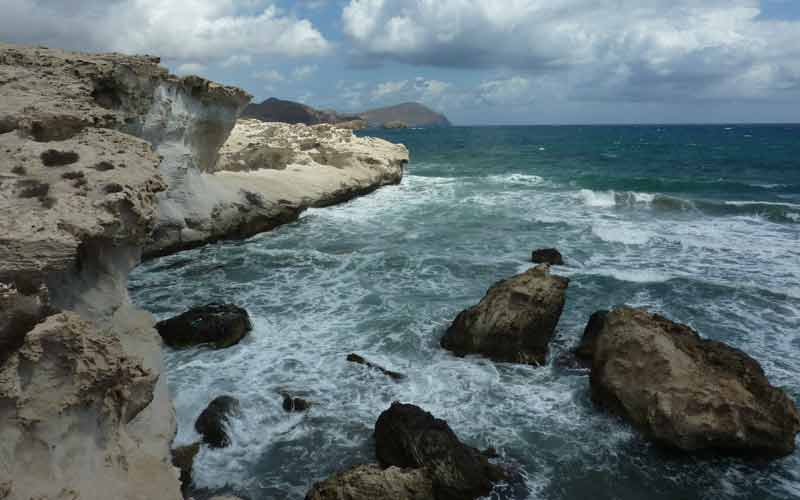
<point>295,404</point>
<point>370,482</point>
<point>547,256</point>
<point>213,421</point>
<point>585,350</point>
<point>686,392</point>
<point>307,166</point>
<point>407,436</point>
<point>183,459</point>
<point>218,325</point>
<point>515,320</point>
<point>355,358</point>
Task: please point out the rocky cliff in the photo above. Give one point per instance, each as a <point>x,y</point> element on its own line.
<point>104,157</point>
<point>83,410</point>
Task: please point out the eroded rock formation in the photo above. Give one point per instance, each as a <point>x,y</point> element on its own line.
<point>515,320</point>
<point>371,482</point>
<point>686,392</point>
<point>83,409</point>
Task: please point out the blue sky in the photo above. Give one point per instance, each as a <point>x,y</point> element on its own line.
<point>479,61</point>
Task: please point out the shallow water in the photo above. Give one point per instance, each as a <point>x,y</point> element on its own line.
<point>701,224</point>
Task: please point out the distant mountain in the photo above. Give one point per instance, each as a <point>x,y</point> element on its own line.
<point>412,114</point>
<point>277,110</point>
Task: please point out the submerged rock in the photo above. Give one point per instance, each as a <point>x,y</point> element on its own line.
<point>407,436</point>
<point>515,320</point>
<point>355,358</point>
<point>686,392</point>
<point>370,482</point>
<point>292,404</point>
<point>212,422</point>
<point>547,256</point>
<point>220,325</point>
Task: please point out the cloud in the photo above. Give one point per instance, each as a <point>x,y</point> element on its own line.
<point>304,72</point>
<point>388,88</point>
<point>626,49</point>
<point>179,29</point>
<point>509,91</point>
<point>190,69</point>
<point>269,75</point>
<point>237,60</point>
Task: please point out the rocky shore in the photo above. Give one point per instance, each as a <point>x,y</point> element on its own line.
<point>108,157</point>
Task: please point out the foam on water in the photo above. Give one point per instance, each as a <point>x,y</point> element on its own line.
<point>384,275</point>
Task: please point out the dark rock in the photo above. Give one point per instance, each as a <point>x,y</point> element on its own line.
<point>407,436</point>
<point>370,482</point>
<point>585,349</point>
<point>547,256</point>
<point>291,404</point>
<point>55,158</point>
<point>515,320</point>
<point>183,459</point>
<point>221,325</point>
<point>686,392</point>
<point>211,424</point>
<point>355,358</point>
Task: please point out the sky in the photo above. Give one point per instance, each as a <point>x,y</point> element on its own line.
<point>488,62</point>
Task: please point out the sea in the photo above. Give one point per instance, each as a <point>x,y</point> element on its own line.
<point>698,223</point>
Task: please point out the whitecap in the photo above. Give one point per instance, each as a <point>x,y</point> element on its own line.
<point>598,199</point>
<point>523,179</point>
<point>618,233</point>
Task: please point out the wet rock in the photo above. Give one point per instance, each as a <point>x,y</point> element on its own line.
<point>547,256</point>
<point>291,404</point>
<point>211,424</point>
<point>183,459</point>
<point>219,325</point>
<point>515,320</point>
<point>407,436</point>
<point>370,482</point>
<point>686,392</point>
<point>355,358</point>
<point>586,347</point>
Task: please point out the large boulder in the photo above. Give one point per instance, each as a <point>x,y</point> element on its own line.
<point>218,325</point>
<point>407,436</point>
<point>514,322</point>
<point>370,482</point>
<point>686,392</point>
<point>585,350</point>
<point>212,422</point>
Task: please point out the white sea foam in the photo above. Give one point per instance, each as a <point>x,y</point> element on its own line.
<point>598,199</point>
<point>516,178</point>
<point>629,234</point>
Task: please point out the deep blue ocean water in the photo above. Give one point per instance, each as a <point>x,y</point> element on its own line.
<point>699,223</point>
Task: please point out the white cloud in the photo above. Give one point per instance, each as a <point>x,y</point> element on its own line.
<point>304,72</point>
<point>509,91</point>
<point>190,69</point>
<point>178,29</point>
<point>269,75</point>
<point>237,60</point>
<point>635,49</point>
<point>387,88</point>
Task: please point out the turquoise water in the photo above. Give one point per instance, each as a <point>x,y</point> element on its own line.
<point>699,223</point>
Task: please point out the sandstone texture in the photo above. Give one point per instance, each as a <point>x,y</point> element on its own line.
<point>686,392</point>
<point>515,320</point>
<point>84,412</point>
<point>308,166</point>
<point>370,482</point>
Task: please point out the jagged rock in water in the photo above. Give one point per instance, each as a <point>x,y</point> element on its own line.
<point>212,422</point>
<point>409,437</point>
<point>219,325</point>
<point>183,459</point>
<point>686,392</point>
<point>547,256</point>
<point>370,482</point>
<point>355,358</point>
<point>515,320</point>
<point>293,404</point>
